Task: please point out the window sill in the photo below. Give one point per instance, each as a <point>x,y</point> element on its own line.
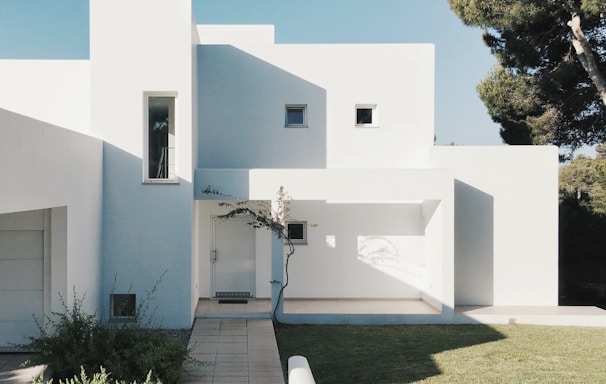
<point>160,182</point>
<point>123,320</point>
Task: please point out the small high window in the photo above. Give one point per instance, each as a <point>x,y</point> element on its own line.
<point>297,232</point>
<point>296,116</point>
<point>123,305</point>
<point>159,164</point>
<point>366,115</point>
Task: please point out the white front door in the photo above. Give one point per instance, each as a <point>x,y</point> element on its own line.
<point>233,257</point>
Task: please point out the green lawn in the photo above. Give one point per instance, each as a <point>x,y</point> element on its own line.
<point>448,353</point>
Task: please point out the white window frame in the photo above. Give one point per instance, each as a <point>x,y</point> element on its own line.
<point>375,116</point>
<point>173,178</point>
<point>304,239</point>
<point>287,107</point>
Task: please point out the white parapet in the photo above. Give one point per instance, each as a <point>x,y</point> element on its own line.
<point>299,371</point>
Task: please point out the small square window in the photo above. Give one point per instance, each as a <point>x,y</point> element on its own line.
<point>297,232</point>
<point>296,116</point>
<point>123,305</point>
<point>366,115</point>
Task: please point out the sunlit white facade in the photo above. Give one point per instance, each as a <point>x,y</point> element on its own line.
<point>105,161</point>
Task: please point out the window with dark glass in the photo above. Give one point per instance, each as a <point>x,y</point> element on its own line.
<point>123,305</point>
<point>160,138</point>
<point>296,116</point>
<point>297,232</point>
<point>364,116</point>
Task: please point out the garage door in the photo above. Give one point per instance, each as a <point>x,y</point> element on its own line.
<point>21,275</point>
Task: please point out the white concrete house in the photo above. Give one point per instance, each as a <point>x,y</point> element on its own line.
<point>106,159</point>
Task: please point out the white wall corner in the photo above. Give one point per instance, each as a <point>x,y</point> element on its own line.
<point>236,34</point>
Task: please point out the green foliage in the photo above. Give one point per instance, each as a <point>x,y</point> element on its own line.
<point>582,243</point>
<point>541,92</point>
<point>73,341</point>
<point>498,13</point>
<point>510,98</point>
<point>134,351</point>
<point>584,180</point>
<point>450,354</point>
<point>101,377</point>
<point>67,341</point>
<point>594,7</point>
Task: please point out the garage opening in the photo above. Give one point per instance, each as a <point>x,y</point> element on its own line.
<point>26,245</point>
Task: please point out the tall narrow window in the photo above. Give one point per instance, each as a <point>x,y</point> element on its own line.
<point>160,133</point>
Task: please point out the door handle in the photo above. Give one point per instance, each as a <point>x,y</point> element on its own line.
<point>213,257</point>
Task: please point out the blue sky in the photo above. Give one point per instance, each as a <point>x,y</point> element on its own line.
<point>58,29</point>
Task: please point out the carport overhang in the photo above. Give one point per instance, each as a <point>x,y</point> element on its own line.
<point>433,188</point>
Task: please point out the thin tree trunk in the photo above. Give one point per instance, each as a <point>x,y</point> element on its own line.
<point>586,57</point>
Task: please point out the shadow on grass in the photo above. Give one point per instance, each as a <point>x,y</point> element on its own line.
<point>376,354</point>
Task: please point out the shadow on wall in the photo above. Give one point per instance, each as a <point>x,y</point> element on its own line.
<point>474,246</point>
<point>359,251</point>
<point>146,232</point>
<point>242,104</point>
<point>50,167</point>
<point>395,257</point>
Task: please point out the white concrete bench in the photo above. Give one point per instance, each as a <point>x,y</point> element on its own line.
<point>299,371</point>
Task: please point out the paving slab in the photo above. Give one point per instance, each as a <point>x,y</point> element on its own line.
<point>12,369</point>
<point>233,351</point>
<point>585,316</point>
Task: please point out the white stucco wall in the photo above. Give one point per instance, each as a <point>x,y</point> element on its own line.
<point>437,239</point>
<point>358,251</point>
<point>236,34</point>
<point>350,205</point>
<point>506,223</point>
<point>53,91</point>
<point>51,167</point>
<point>136,47</point>
<point>244,88</point>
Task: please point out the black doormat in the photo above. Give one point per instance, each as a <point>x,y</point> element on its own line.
<point>233,295</point>
<point>232,301</point>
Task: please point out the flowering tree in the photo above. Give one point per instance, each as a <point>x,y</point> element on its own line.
<point>262,216</point>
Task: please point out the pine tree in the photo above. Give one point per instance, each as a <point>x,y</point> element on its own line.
<point>549,86</point>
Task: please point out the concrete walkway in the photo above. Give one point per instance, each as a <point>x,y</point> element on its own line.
<point>226,351</point>
<point>233,351</point>
<point>12,371</point>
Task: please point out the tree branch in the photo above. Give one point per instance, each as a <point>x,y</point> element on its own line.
<point>586,57</point>
<point>262,217</point>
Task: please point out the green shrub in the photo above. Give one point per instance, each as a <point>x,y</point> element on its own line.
<point>135,351</point>
<point>98,378</point>
<point>68,341</point>
<point>74,342</point>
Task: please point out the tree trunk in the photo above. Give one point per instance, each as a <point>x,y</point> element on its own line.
<point>586,57</point>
